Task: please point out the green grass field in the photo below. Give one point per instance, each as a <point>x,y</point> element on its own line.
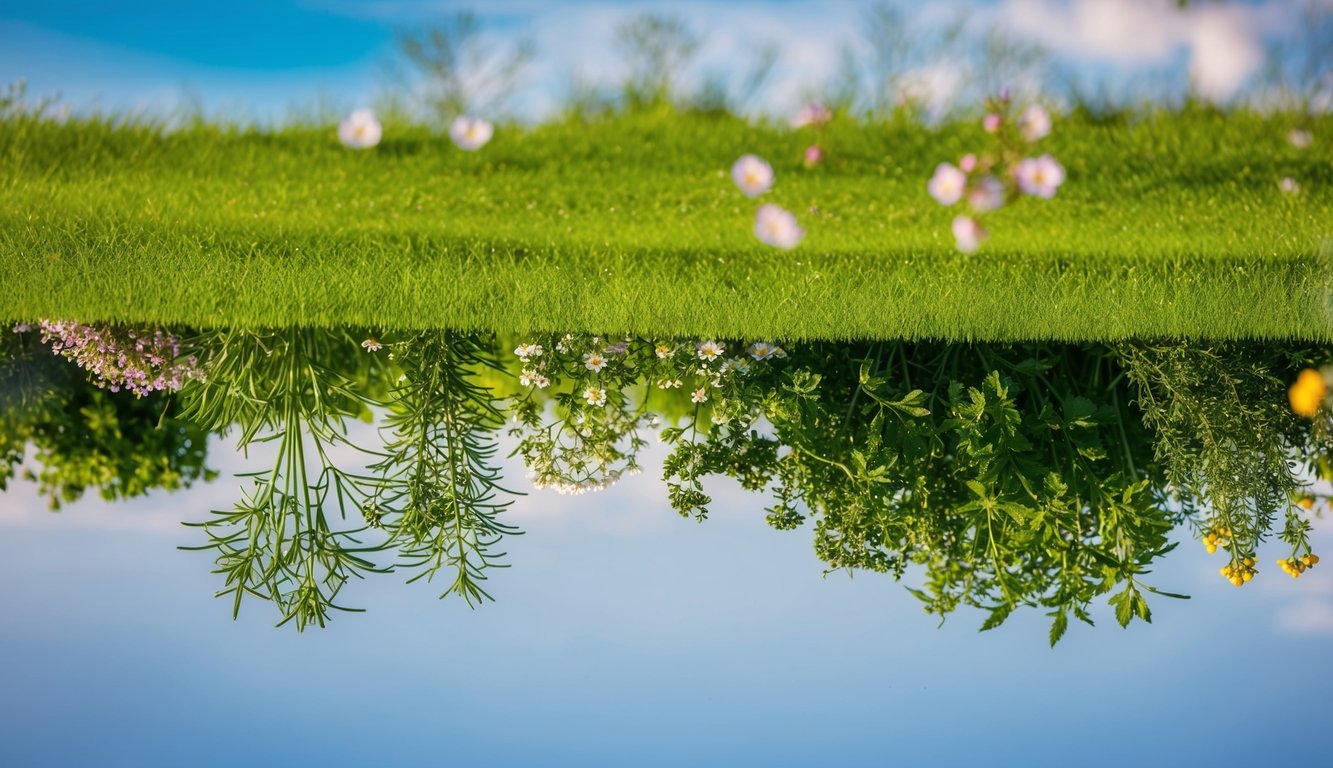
<point>1167,225</point>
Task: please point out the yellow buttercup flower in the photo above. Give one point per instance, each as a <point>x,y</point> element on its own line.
<point>1307,394</point>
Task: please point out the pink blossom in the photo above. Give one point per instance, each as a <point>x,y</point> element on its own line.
<point>813,156</point>
<point>968,234</point>
<point>1039,176</point>
<point>991,123</point>
<point>986,194</point>
<point>947,185</point>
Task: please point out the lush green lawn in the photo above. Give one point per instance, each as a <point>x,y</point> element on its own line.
<point>1172,225</point>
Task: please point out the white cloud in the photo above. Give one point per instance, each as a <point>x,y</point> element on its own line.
<point>1306,617</point>
<point>1223,43</point>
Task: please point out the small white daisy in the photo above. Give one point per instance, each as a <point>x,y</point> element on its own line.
<point>360,130</point>
<point>711,350</point>
<point>470,133</point>
<point>595,396</point>
<point>594,361</point>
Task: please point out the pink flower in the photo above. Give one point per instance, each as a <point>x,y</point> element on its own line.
<point>470,133</point>
<point>752,175</point>
<point>986,194</point>
<point>813,156</point>
<point>1039,176</point>
<point>968,163</point>
<point>1035,123</point>
<point>360,130</point>
<point>777,227</point>
<point>968,234</point>
<point>991,122</point>
<point>947,185</point>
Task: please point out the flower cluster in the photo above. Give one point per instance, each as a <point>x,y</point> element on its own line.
<point>989,181</point>
<point>361,130</point>
<point>1295,566</point>
<point>1240,572</point>
<point>773,225</point>
<point>594,438</point>
<point>140,361</point>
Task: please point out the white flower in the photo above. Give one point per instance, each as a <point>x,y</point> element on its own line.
<point>986,195</point>
<point>541,381</point>
<point>360,130</point>
<point>664,351</point>
<point>947,185</point>
<point>526,352</point>
<point>777,227</point>
<point>1035,123</point>
<point>710,350</point>
<point>371,345</point>
<point>1289,185</point>
<point>719,419</point>
<point>470,133</point>
<point>1300,139</point>
<point>752,175</point>
<point>968,234</point>
<point>527,377</point>
<point>736,364</point>
<point>779,353</point>
<point>594,361</point>
<point>595,396</point>
<point>761,350</point>
<point>1039,176</point>
<point>699,395</point>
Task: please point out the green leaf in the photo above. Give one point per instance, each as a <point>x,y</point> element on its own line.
<point>997,617</point>
<point>1058,627</point>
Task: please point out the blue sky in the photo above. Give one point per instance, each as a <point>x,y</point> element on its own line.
<point>622,635</point>
<point>257,59</point>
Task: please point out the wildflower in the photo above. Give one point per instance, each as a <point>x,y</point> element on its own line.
<point>595,396</point>
<point>1039,176</point>
<point>986,195</point>
<point>1300,139</point>
<point>1034,123</point>
<point>663,351</point>
<point>813,113</point>
<point>777,227</point>
<point>710,350</point>
<point>562,346</point>
<point>1307,394</point>
<point>779,353</point>
<point>761,350</point>
<point>968,234</point>
<point>371,345</point>
<point>991,122</point>
<point>1289,186</point>
<point>752,175</point>
<point>699,395</point>
<point>719,419</point>
<point>526,352</point>
<point>360,130</point>
<point>736,365</point>
<point>594,361</point>
<point>541,381</point>
<point>812,157</point>
<point>967,163</point>
<point>947,185</point>
<point>669,384</point>
<point>527,377</point>
<point>470,133</point>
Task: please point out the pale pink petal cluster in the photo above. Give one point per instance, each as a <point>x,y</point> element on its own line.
<point>118,359</point>
<point>1035,123</point>
<point>360,130</point>
<point>986,194</point>
<point>948,184</point>
<point>753,175</point>
<point>777,227</point>
<point>470,133</point>
<point>1039,176</point>
<point>968,234</point>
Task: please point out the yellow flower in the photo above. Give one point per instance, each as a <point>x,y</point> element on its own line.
<point>1307,394</point>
